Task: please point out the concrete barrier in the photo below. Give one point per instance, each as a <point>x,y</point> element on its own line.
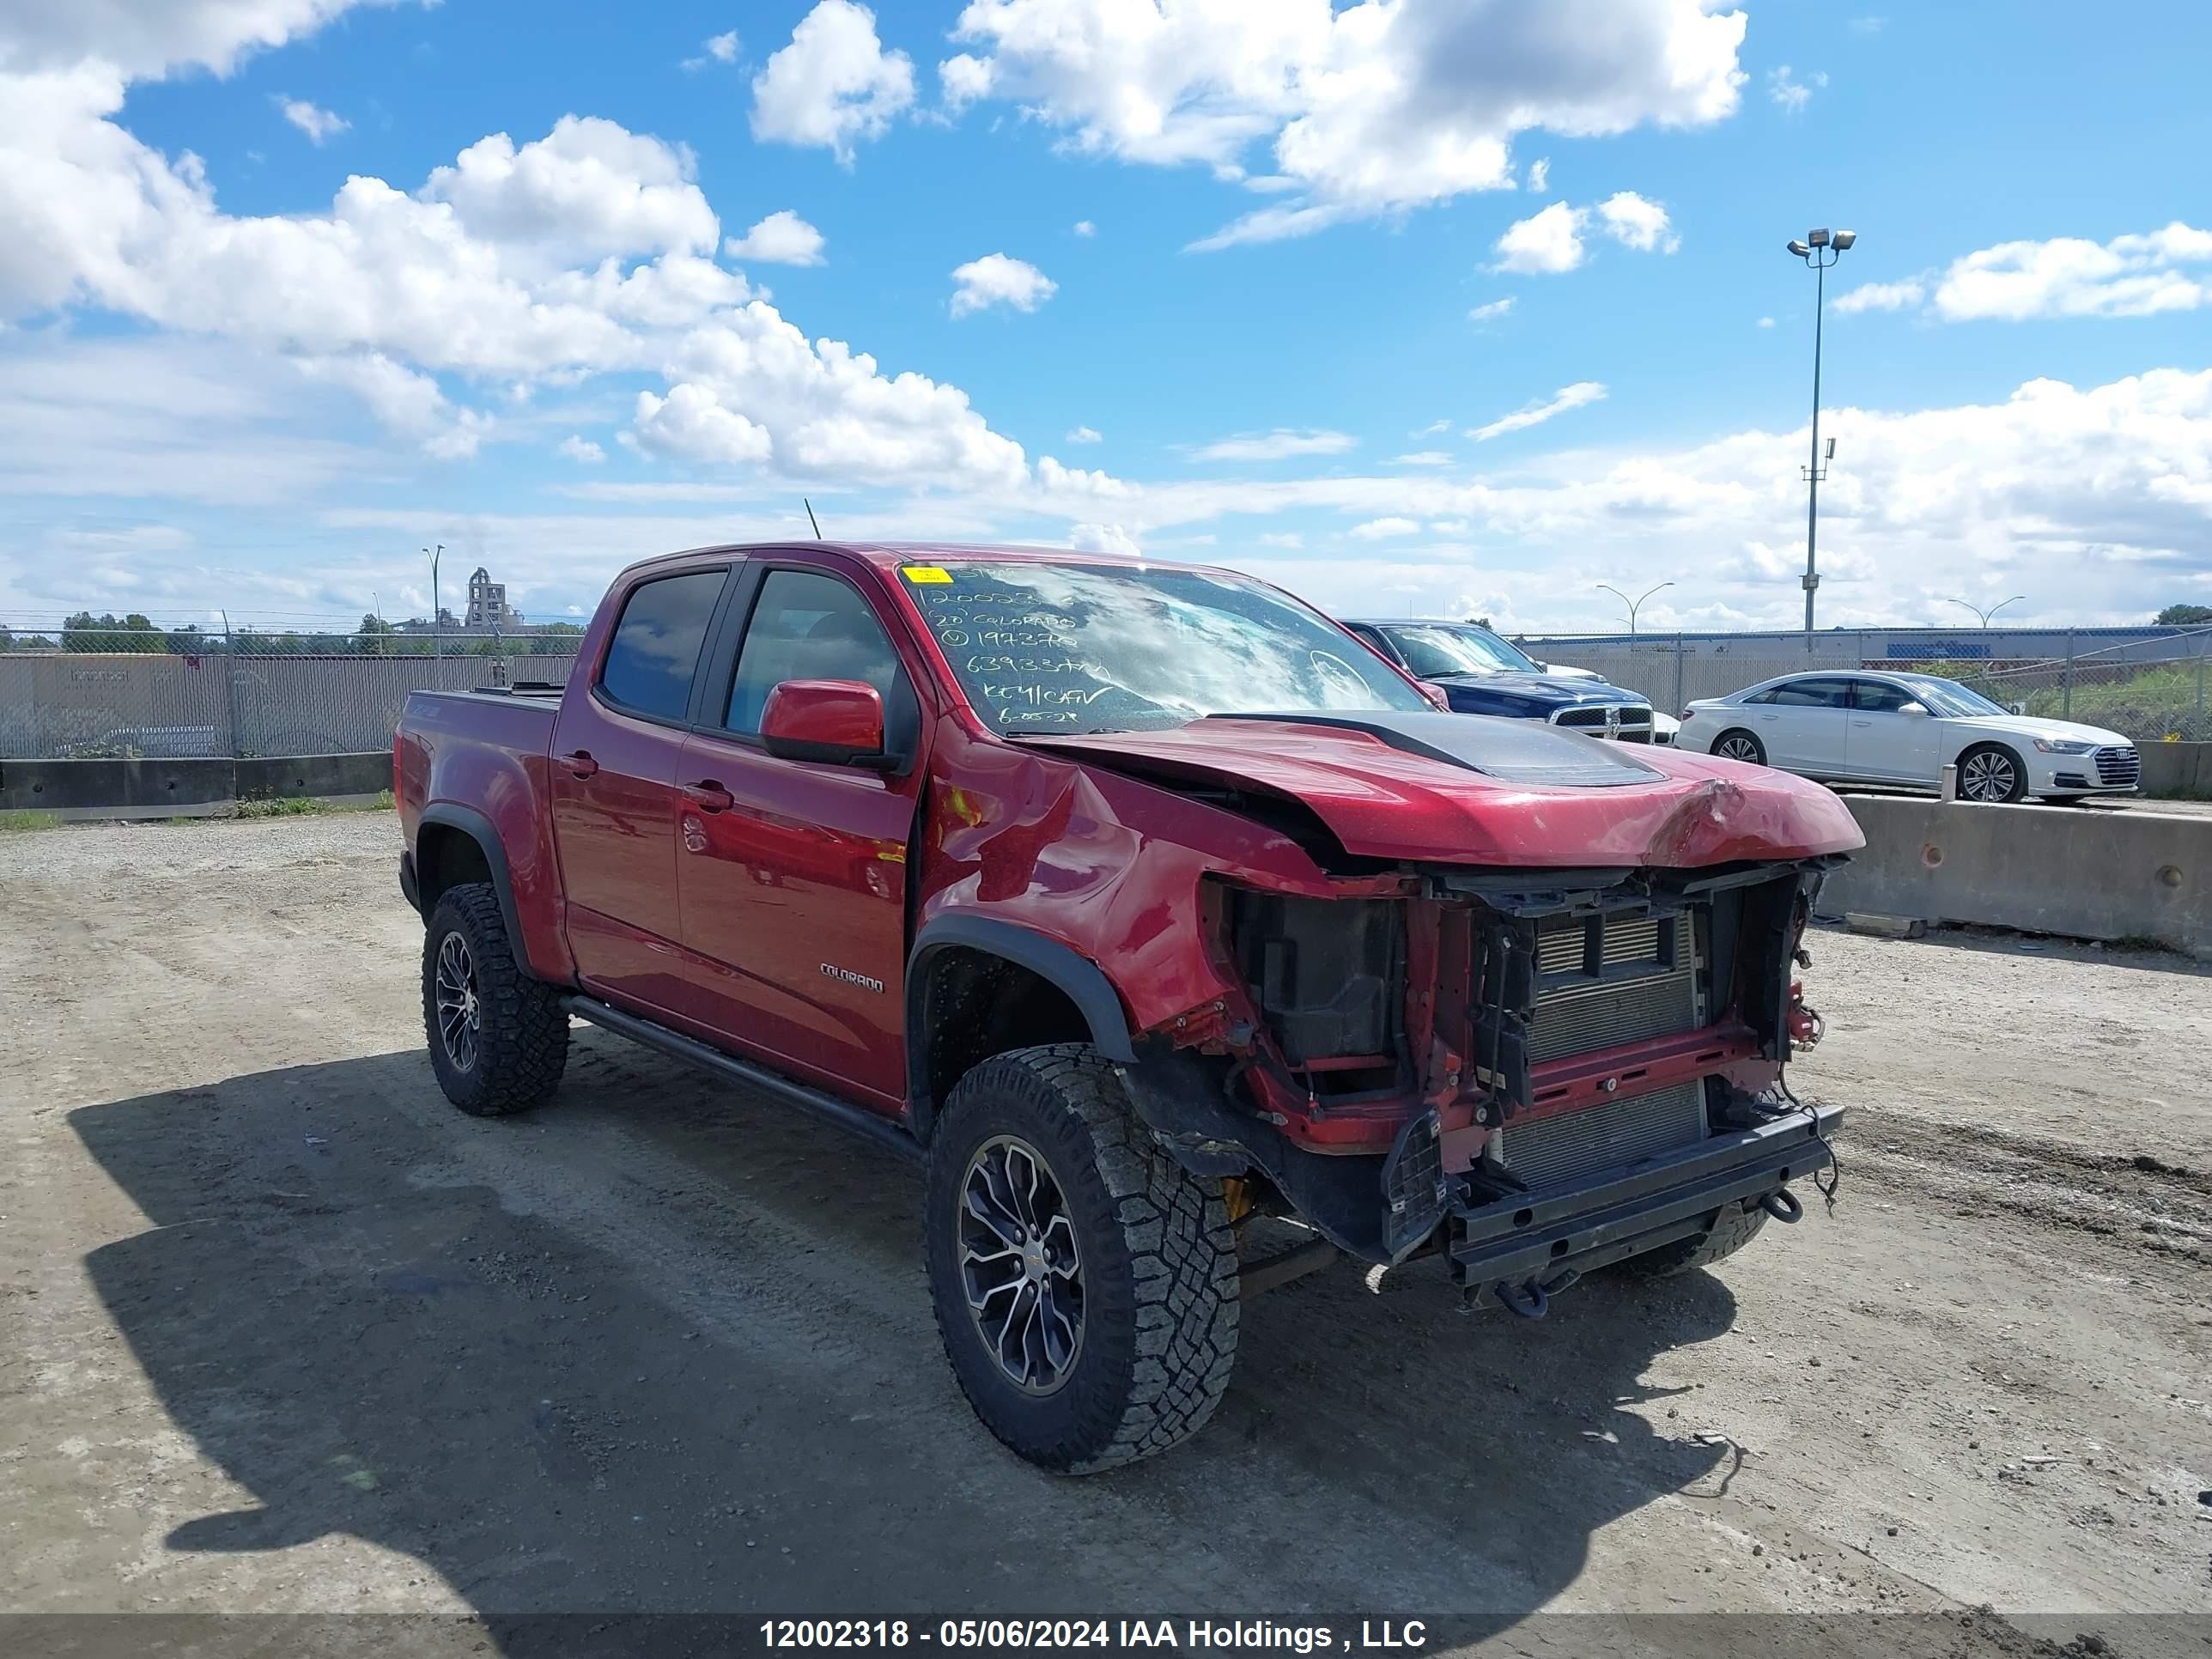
<point>2177,771</point>
<point>74,789</point>
<point>2041,869</point>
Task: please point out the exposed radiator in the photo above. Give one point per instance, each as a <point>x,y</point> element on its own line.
<point>1558,1151</point>
<point>1581,1011</point>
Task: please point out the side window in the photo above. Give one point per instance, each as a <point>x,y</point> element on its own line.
<point>1879,697</point>
<point>1813,694</point>
<point>656,644</point>
<point>1765,697</point>
<point>806,626</point>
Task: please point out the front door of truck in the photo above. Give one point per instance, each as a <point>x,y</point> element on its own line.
<point>793,873</point>
<point>616,750</point>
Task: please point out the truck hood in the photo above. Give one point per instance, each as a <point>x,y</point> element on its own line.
<point>1538,695</point>
<point>1433,787</point>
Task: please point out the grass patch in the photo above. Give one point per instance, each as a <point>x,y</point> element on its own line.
<point>282,806</point>
<point>16,823</point>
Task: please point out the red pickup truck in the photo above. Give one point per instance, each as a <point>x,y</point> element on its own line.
<point>1137,900</point>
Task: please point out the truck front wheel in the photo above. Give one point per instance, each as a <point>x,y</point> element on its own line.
<point>1084,1283</point>
<point>499,1039</point>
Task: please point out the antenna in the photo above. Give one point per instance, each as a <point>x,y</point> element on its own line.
<point>809,506</point>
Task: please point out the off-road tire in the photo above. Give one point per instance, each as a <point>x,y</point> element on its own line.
<point>1736,1228</point>
<point>2019,790</point>
<point>523,1031</point>
<point>1158,1255</point>
<point>1758,756</point>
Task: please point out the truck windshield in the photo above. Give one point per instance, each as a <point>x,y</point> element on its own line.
<point>1434,650</point>
<point>1049,649</point>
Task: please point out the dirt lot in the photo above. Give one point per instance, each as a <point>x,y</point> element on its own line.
<point>280,1331</point>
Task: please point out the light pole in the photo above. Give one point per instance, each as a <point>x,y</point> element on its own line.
<point>437,617</point>
<point>1992,611</point>
<point>1634,604</point>
<point>1819,250</point>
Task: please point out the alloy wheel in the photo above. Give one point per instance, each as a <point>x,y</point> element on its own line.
<point>460,1010</point>
<point>1741,749</point>
<point>1987,777</point>
<point>1020,1266</point>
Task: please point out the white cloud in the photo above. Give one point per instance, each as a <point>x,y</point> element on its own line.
<point>1282,538</point>
<point>320,124</point>
<point>1545,243</point>
<point>590,250</point>
<point>1880,296</point>
<point>1767,322</point>
<point>722,48</point>
<point>1491,310</point>
<point>1634,222</point>
<point>1867,25</point>
<point>1278,444</point>
<point>781,239</point>
<point>1540,175</point>
<point>1443,424</point>
<point>1791,94</point>
<point>1541,410</point>
<point>1422,458</point>
<point>2136,276</point>
<point>1550,241</point>
<point>997,280</point>
<point>834,84</point>
<point>1104,539</point>
<point>577,447</point>
<point>143,38</point>
<point>1084,227</point>
<point>1371,108</point>
<point>1377,529</point>
<point>1084,435</point>
<point>2070,276</point>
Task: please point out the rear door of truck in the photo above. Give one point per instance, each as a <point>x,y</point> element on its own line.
<point>617,751</point>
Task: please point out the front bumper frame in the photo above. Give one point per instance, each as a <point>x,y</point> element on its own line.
<point>1534,1237</point>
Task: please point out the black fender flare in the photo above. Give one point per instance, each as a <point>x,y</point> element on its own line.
<point>1082,980</point>
<point>450,815</point>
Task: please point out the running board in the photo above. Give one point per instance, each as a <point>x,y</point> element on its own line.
<point>881,1131</point>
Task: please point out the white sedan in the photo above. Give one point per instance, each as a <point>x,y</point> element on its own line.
<point>1903,729</point>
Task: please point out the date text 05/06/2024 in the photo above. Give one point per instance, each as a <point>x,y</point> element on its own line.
<point>1108,1635</point>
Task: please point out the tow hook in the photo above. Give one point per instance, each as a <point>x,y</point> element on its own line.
<point>1782,1204</point>
<point>1530,1299</point>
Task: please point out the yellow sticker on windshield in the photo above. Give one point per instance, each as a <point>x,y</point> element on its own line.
<point>928,573</point>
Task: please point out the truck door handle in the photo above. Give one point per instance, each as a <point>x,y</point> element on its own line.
<point>709,796</point>
<point>581,763</point>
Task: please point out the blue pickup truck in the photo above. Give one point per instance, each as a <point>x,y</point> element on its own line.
<point>1482,674</point>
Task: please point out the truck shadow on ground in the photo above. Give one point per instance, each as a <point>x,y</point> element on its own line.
<point>657,1349</point>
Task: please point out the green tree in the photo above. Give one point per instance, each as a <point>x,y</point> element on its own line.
<point>107,632</point>
<point>2185,615</point>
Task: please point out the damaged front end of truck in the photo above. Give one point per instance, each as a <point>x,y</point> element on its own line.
<point>1531,1016</point>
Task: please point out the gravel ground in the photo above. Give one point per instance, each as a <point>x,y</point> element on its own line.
<point>281,1331</point>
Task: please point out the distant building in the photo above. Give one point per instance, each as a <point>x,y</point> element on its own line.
<point>488,605</point>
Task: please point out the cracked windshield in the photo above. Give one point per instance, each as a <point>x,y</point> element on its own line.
<point>1064,650</point>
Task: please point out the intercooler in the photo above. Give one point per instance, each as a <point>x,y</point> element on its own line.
<point>1601,981</point>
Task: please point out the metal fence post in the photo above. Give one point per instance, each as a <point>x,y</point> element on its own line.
<point>2066,707</point>
<point>230,686</point>
<point>1679,703</point>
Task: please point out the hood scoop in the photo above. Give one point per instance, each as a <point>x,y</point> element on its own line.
<point>1512,751</point>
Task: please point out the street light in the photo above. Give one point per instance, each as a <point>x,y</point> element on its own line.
<point>1819,250</point>
<point>437,632</point>
<point>1992,611</point>
<point>1634,604</point>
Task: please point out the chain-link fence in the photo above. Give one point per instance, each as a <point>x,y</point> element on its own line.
<point>85,692</point>
<point>2145,697</point>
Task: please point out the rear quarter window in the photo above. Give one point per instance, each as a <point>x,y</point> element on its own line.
<point>655,649</point>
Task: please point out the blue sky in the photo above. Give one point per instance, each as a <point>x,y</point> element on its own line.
<point>229,378</point>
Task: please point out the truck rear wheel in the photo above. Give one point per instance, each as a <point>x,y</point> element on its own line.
<point>1084,1283</point>
<point>1736,1228</point>
<point>499,1039</point>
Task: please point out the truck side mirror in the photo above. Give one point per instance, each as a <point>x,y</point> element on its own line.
<point>840,722</point>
